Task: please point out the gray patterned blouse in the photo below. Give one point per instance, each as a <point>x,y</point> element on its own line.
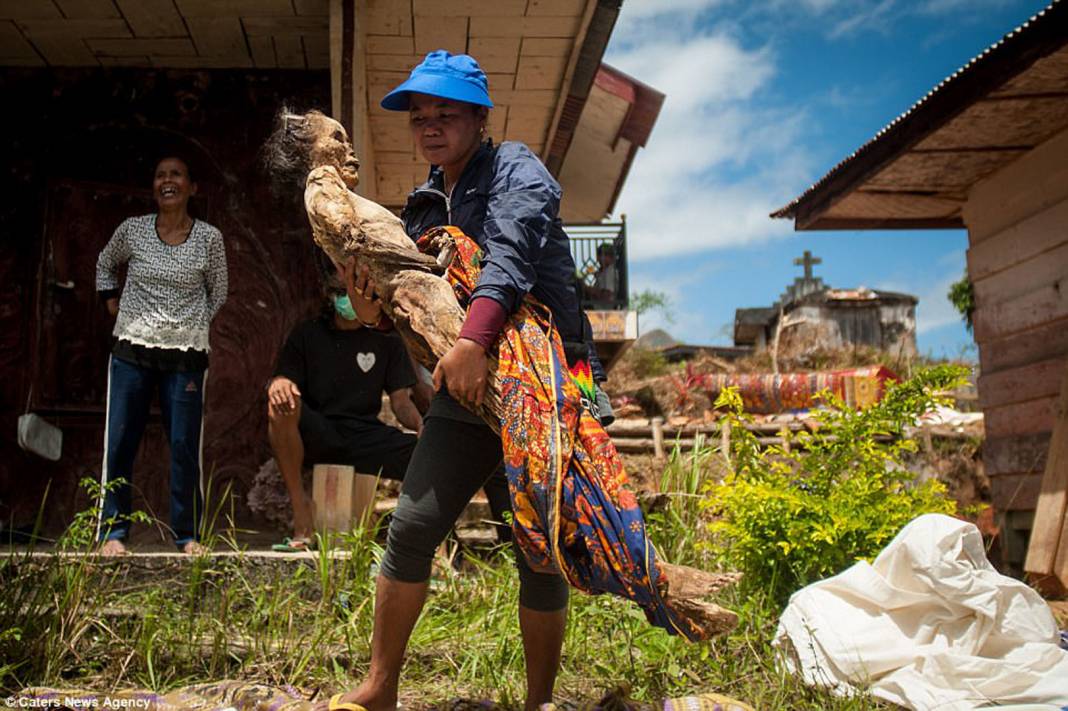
<point>172,292</point>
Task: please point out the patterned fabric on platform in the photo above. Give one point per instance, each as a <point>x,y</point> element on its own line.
<point>573,512</point>
<point>762,393</point>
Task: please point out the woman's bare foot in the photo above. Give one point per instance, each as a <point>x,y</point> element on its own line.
<point>194,548</point>
<point>363,699</point>
<point>304,520</point>
<point>113,547</point>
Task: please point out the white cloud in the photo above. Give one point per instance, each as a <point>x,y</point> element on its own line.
<point>719,159</point>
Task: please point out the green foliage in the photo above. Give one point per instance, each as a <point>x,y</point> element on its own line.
<point>648,300</point>
<point>81,532</point>
<point>962,295</point>
<point>789,515</point>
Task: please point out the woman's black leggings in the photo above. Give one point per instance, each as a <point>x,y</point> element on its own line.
<point>452,460</point>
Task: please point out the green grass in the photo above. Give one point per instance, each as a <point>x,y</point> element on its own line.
<point>84,623</point>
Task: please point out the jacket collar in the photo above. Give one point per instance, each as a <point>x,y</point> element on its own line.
<point>436,179</point>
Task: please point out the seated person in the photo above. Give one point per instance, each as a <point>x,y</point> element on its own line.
<point>324,400</point>
<point>606,280</point>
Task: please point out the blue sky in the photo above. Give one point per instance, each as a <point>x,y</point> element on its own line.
<point>763,98</point>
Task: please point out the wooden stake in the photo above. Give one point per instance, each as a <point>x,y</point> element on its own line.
<point>1047,551</point>
<point>658,437</point>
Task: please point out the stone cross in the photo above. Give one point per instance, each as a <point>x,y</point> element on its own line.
<point>808,261</point>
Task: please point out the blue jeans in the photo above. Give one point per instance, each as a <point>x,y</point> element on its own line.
<point>130,390</point>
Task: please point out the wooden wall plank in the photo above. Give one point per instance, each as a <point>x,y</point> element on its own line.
<point>75,28</point>
<point>1021,418</point>
<point>1018,280</point>
<point>201,62</point>
<point>540,72</point>
<point>997,319</point>
<point>275,26</point>
<point>219,37</point>
<point>317,50</point>
<point>153,18</point>
<point>262,49</point>
<point>1039,343</point>
<point>141,47</point>
<point>88,9</point>
<point>22,10</point>
<point>469,8</point>
<point>1015,454</point>
<point>61,51</point>
<point>14,49</point>
<point>525,27</point>
<point>1032,183</point>
<point>312,7</point>
<point>289,51</point>
<point>547,47</point>
<point>393,62</point>
<point>130,61</point>
<point>1048,549</point>
<point>1024,240</point>
<point>498,55</point>
<point>390,44</point>
<point>564,8</point>
<point>449,33</point>
<point>1015,492</point>
<point>388,17</point>
<point>1028,382</point>
<point>234,8</point>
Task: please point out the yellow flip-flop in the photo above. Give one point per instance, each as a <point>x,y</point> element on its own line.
<point>336,704</point>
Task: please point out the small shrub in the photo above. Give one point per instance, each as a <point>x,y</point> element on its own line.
<point>789,515</point>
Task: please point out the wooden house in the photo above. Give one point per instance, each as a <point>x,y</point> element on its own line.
<point>94,89</point>
<point>987,150</point>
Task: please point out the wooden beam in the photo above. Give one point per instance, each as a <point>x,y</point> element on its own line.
<point>857,223</point>
<point>1047,551</point>
<point>582,70</point>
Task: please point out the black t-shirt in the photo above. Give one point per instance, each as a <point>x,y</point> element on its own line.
<point>342,374</point>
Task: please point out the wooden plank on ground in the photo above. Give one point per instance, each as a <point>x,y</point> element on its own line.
<point>1048,550</point>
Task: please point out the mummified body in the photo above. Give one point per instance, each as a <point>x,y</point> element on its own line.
<point>420,303</point>
<point>424,308</point>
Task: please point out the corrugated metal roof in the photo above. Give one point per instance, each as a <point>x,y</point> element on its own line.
<point>988,55</point>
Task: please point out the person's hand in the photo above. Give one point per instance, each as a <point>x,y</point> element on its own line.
<point>113,306</point>
<point>361,290</point>
<point>283,395</point>
<point>464,370</point>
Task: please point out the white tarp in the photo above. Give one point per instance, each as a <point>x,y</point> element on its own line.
<point>929,625</point>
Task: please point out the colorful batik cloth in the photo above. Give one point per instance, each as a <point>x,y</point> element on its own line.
<point>573,513</point>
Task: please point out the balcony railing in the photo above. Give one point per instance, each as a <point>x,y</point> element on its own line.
<point>600,253</point>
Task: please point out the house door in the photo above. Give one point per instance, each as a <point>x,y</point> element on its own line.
<point>73,325</point>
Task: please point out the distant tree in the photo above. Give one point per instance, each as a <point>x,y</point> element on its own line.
<point>648,301</point>
<point>962,296</point>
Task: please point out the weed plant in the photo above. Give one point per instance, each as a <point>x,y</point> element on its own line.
<point>75,620</point>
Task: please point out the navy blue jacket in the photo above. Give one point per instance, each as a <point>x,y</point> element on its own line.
<point>507,201</point>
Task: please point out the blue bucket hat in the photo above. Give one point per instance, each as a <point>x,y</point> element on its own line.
<point>450,76</point>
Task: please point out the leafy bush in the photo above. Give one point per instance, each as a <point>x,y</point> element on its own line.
<point>789,515</point>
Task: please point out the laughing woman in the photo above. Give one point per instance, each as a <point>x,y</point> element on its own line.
<point>176,282</point>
